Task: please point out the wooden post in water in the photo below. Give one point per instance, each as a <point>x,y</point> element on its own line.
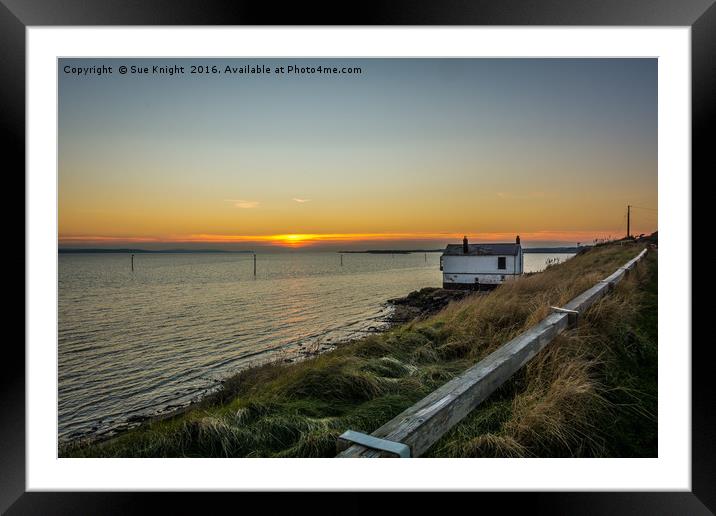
<point>132,263</point>
<point>254,264</point>
<point>341,259</point>
<point>426,257</point>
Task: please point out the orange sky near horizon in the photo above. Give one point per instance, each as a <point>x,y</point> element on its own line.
<point>356,213</point>
<point>309,240</point>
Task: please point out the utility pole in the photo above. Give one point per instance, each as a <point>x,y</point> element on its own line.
<point>628,220</point>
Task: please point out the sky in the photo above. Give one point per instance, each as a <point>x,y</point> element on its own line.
<point>405,153</point>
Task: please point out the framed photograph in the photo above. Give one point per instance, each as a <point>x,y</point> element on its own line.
<point>259,244</point>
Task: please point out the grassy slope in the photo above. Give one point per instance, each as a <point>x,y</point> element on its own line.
<point>592,392</point>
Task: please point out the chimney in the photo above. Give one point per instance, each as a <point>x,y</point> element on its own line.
<point>517,240</point>
<point>464,245</point>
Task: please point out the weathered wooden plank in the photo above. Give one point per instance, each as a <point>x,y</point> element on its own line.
<point>631,263</point>
<point>619,274</point>
<point>421,425</point>
<point>615,277</point>
<point>587,298</point>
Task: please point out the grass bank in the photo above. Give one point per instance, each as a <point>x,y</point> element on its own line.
<point>592,392</point>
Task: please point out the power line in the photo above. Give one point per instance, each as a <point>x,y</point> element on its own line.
<point>628,217</point>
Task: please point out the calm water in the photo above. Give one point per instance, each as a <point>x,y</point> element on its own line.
<point>134,344</point>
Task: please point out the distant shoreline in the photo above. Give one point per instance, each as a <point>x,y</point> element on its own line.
<point>393,251</point>
<point>77,250</point>
<point>70,250</point>
<point>554,250</point>
<point>526,250</point>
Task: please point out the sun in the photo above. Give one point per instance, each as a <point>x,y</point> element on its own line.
<point>294,240</point>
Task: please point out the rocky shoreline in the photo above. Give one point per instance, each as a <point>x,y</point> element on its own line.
<point>424,302</point>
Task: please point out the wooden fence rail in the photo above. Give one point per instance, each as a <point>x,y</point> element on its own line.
<point>421,425</point>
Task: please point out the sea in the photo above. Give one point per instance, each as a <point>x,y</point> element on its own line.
<point>137,343</point>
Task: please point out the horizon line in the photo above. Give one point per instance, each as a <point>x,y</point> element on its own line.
<point>312,239</point>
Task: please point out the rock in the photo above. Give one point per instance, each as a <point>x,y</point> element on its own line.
<point>423,302</point>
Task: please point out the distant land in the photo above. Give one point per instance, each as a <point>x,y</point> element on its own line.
<point>526,250</point>
<point>63,250</point>
<point>529,250</point>
<point>395,251</point>
<point>99,250</point>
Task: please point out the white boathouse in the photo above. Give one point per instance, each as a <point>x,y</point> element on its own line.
<point>480,266</point>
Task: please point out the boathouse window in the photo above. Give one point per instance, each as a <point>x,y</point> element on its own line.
<point>501,262</point>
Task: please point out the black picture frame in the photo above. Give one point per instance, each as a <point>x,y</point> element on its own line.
<point>17,15</point>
